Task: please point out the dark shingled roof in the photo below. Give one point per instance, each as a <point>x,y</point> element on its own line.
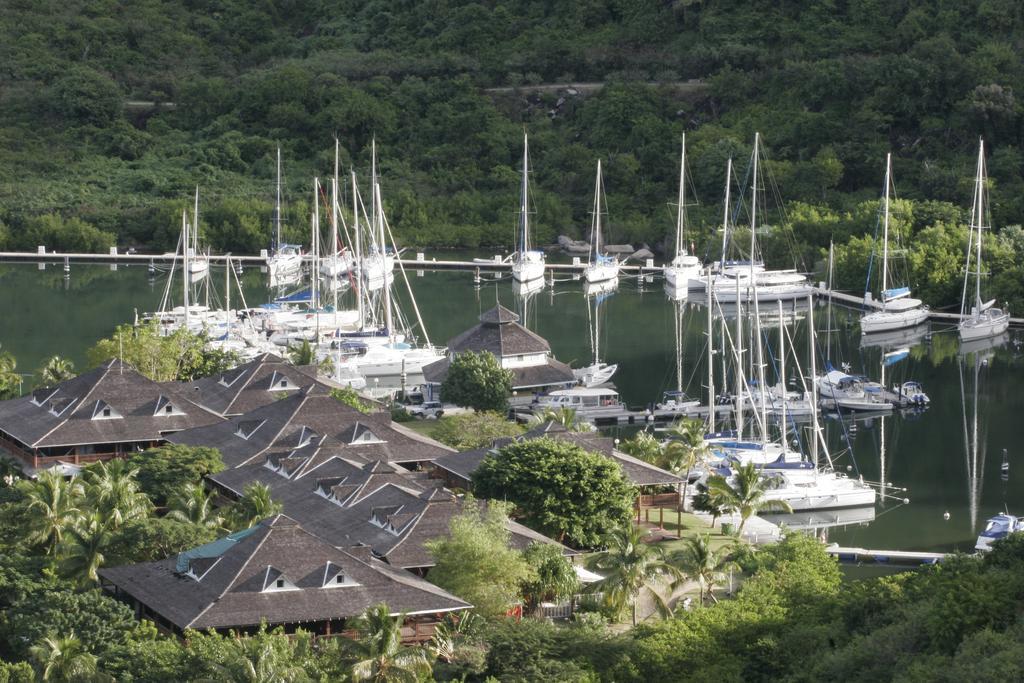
<point>233,577</point>
<point>280,425</point>
<point>551,372</point>
<point>500,333</point>
<point>263,380</point>
<point>345,500</point>
<point>637,471</point>
<point>72,413</point>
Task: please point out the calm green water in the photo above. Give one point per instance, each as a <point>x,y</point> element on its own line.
<point>42,313</point>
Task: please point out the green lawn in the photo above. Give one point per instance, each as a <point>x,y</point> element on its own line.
<point>687,525</point>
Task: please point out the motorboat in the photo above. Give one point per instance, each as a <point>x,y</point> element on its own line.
<point>587,402</point>
<point>677,402</point>
<point>840,391</point>
<point>595,374</point>
<point>996,528</point>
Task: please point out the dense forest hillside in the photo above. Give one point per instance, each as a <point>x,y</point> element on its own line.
<point>111,113</point>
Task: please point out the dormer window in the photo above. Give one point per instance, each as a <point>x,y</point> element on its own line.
<point>104,411</point>
<point>247,428</point>
<point>280,382</point>
<point>334,577</point>
<point>164,407</point>
<point>274,581</point>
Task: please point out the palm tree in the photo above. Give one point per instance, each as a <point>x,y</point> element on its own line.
<point>305,354</point>
<point>684,452</point>
<point>55,370</point>
<point>53,506</point>
<point>256,504</point>
<point>565,417</point>
<point>195,506</point>
<point>10,380</point>
<point>451,632</point>
<point>64,660</point>
<point>698,561</point>
<point>746,495</point>
<point>82,550</point>
<point>381,657</point>
<point>113,491</point>
<point>629,566</point>
<point>257,660</point>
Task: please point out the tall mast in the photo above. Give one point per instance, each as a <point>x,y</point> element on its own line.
<point>782,377</point>
<point>387,287</point>
<point>760,360</point>
<point>524,219</point>
<point>828,323</point>
<point>814,381</point>
<point>184,272</point>
<point>885,231</point>
<point>195,223</point>
<point>711,360</point>
<point>359,254</point>
<point>334,234</point>
<point>315,244</point>
<point>753,210</point>
<point>595,230</point>
<point>725,217</point>
<point>681,208</point>
<point>980,223</point>
<point>739,361</point>
<point>277,205</point>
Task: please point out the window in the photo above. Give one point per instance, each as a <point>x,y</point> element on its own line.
<point>169,409</point>
<point>280,583</point>
<point>106,412</point>
<point>340,578</point>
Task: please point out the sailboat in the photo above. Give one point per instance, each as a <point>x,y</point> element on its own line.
<point>527,263</point>
<point>598,372</point>
<point>684,265</point>
<point>378,265</point>
<point>285,260</point>
<point>198,264</point>
<point>336,265</point>
<point>983,319</point>
<point>600,268</point>
<point>746,278</point>
<point>898,310</point>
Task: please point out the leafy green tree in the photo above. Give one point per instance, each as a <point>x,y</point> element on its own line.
<point>746,495</point>
<point>100,622</point>
<point>54,371</point>
<point>468,431</point>
<point>10,380</point>
<point>86,96</point>
<point>17,672</point>
<point>353,399</point>
<point>164,472</point>
<point>155,538</point>
<point>194,505</point>
<point>684,450</point>
<point>181,355</point>
<point>698,561</point>
<point>379,653</point>
<point>553,575</point>
<point>53,504</point>
<point>255,505</point>
<point>475,560</point>
<point>629,566</point>
<point>477,381</point>
<point>558,488</point>
<point>64,660</point>
<point>263,658</point>
<point>64,234</point>
<point>642,445</point>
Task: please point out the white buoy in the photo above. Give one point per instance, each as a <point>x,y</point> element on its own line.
<point>945,515</point>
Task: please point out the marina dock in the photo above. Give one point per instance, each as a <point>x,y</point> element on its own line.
<point>419,261</point>
<point>862,555</point>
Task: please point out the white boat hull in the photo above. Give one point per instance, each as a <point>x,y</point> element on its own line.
<point>888,321</point>
<point>991,323</point>
<point>601,272</point>
<point>527,270</point>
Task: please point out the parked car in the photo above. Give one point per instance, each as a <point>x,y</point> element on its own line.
<point>426,409</point>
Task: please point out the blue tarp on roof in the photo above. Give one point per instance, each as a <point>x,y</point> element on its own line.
<point>211,549</point>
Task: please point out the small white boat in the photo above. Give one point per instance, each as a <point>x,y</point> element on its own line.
<point>595,374</point>
<point>684,266</point>
<point>996,528</point>
<point>600,267</point>
<point>527,263</point>
<point>984,320</point>
<point>840,391</point>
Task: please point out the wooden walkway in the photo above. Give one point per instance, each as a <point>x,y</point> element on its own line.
<point>862,555</point>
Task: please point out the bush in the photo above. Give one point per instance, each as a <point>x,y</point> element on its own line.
<point>468,431</point>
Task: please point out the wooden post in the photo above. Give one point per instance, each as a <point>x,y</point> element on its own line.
<point>661,520</point>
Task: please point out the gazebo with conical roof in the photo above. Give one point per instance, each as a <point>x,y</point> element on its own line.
<point>526,354</point>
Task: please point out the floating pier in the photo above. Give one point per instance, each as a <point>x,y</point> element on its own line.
<point>863,555</point>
